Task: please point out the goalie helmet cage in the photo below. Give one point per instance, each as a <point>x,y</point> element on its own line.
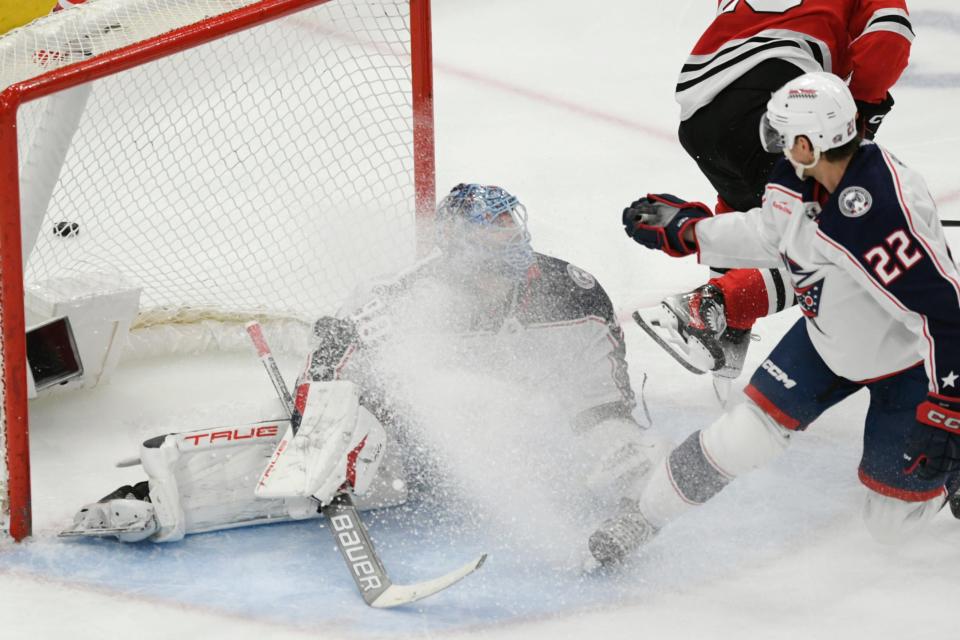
<point>227,157</point>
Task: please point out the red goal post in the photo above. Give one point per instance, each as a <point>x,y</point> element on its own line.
<point>351,173</point>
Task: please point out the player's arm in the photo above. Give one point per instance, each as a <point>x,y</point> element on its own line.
<point>881,35</point>
<point>680,228</point>
<point>743,238</point>
<point>342,342</point>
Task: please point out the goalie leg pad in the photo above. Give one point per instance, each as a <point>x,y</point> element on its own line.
<point>159,457</point>
<point>204,480</point>
<point>332,442</point>
<point>388,486</point>
<point>200,480</point>
<point>625,455</point>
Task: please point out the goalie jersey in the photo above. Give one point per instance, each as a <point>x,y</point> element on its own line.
<point>869,264</point>
<point>553,334</point>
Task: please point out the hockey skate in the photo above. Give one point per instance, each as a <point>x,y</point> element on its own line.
<point>126,514</point>
<point>689,327</point>
<point>621,535</point>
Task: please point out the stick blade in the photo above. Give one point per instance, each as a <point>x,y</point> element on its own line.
<point>400,594</point>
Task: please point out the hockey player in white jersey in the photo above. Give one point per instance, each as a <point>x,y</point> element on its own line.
<point>505,311</point>
<point>880,295</point>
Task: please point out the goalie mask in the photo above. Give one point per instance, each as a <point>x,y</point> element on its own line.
<point>815,105</point>
<point>484,227</point>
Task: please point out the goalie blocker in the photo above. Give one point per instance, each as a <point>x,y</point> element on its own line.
<point>239,475</point>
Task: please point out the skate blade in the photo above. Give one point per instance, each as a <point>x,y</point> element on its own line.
<point>78,531</point>
<point>660,324</point>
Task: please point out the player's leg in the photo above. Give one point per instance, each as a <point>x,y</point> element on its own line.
<point>792,388</point>
<point>898,505</point>
<point>722,137</point>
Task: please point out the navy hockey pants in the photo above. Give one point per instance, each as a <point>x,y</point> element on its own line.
<point>794,386</point>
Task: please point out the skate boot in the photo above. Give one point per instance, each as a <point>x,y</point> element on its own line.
<point>689,327</point>
<point>125,513</point>
<point>621,535</point>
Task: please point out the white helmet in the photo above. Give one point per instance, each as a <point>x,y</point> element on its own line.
<point>816,105</point>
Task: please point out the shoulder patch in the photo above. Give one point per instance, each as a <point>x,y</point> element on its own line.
<point>854,202</point>
<point>583,279</point>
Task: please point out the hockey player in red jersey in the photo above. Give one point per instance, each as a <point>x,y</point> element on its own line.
<point>859,236</point>
<point>750,49</point>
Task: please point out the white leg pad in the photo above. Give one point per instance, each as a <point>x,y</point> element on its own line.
<point>204,480</point>
<point>625,455</point>
<point>159,463</point>
<point>389,486</point>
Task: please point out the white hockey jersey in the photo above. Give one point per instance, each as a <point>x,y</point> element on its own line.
<point>869,265</point>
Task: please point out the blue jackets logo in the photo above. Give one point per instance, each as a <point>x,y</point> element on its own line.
<point>854,202</point>
<point>807,290</point>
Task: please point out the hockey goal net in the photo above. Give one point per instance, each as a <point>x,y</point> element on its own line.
<point>231,159</point>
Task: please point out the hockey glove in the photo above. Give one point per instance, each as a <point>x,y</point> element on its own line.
<point>659,221</point>
<point>870,116</point>
<point>337,338</point>
<point>933,447</point>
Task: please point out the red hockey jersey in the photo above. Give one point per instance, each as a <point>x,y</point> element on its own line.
<point>866,41</point>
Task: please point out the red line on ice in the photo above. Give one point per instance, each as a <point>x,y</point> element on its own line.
<point>555,101</point>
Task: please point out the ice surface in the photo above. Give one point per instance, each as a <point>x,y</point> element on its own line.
<point>569,105</point>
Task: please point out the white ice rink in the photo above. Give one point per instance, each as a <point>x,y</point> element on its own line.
<point>570,106</point>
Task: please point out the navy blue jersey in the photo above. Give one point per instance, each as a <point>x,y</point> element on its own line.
<point>553,333</point>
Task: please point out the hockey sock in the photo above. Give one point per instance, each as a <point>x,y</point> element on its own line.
<point>749,294</point>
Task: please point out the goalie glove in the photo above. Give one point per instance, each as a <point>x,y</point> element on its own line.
<point>659,221</point>
<point>337,339</point>
<point>933,446</point>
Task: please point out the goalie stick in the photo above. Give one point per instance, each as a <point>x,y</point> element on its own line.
<point>349,532</point>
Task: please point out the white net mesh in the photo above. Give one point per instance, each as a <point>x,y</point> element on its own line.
<point>261,175</point>
<point>264,173</point>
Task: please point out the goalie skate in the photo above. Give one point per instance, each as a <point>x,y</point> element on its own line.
<point>125,513</point>
<point>125,519</point>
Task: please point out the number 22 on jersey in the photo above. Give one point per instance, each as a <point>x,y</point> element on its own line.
<point>885,265</point>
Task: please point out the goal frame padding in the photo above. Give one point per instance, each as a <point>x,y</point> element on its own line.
<point>12,323</point>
